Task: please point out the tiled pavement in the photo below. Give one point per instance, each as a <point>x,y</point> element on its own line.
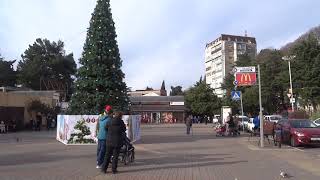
<point>164,153</point>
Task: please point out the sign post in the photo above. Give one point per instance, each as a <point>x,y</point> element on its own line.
<point>242,111</point>
<point>260,113</point>
<point>236,96</point>
<point>244,76</point>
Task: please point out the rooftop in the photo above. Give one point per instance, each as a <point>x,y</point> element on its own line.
<point>228,37</point>
<point>157,98</point>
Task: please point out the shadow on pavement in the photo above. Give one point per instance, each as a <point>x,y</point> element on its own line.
<point>187,165</point>
<point>181,161</point>
<point>157,139</point>
<point>36,157</point>
<point>175,159</point>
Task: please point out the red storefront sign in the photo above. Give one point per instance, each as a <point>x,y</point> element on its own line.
<point>246,79</point>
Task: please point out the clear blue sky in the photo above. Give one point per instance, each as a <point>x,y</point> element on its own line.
<point>158,39</point>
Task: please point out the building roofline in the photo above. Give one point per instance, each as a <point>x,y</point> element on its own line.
<point>222,36</point>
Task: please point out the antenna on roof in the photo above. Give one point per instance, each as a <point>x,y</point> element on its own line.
<point>245,33</point>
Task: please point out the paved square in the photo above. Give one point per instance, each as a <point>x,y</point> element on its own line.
<point>164,153</point>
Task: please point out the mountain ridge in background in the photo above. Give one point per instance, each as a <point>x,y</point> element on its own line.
<point>315,31</point>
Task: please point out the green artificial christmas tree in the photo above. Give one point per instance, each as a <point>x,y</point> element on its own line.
<point>81,135</point>
<point>100,80</point>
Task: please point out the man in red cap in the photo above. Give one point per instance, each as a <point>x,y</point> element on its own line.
<point>102,134</point>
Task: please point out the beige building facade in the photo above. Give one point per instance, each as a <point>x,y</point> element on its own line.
<point>221,55</point>
<point>13,105</point>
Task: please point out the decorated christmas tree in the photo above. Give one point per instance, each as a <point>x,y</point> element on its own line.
<point>81,134</point>
<point>100,80</point>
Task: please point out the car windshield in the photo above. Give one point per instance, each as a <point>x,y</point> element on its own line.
<point>275,118</point>
<point>244,119</point>
<point>302,124</point>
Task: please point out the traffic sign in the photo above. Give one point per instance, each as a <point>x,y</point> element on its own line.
<point>292,100</point>
<point>246,79</point>
<point>250,69</point>
<point>235,82</point>
<point>235,95</point>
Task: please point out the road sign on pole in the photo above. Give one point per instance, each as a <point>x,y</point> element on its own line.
<point>292,100</point>
<point>250,69</point>
<point>235,82</point>
<point>236,95</point>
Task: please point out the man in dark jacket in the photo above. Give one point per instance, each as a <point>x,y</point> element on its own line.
<point>115,130</point>
<point>188,124</point>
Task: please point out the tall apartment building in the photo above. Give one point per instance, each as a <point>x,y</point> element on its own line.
<point>221,55</point>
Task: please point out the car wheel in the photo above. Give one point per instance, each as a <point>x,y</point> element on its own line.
<point>293,142</point>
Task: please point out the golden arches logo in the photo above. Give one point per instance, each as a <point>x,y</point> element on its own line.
<point>246,77</point>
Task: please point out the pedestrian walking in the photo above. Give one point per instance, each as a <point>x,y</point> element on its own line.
<point>48,119</point>
<point>115,139</point>
<point>38,122</point>
<point>231,125</point>
<point>2,127</point>
<point>189,123</point>
<point>256,122</point>
<point>102,134</point>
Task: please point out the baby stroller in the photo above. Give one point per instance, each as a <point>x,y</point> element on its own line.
<point>220,130</point>
<point>127,151</point>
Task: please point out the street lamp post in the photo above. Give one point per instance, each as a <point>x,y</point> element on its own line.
<point>289,58</point>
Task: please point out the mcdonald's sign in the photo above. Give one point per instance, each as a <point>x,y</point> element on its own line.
<point>246,79</point>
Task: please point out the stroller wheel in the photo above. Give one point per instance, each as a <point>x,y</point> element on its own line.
<point>132,157</point>
<point>126,159</point>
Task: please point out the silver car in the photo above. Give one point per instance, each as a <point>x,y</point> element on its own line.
<point>317,122</point>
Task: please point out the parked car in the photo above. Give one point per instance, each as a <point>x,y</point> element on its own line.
<point>215,119</point>
<point>243,122</point>
<point>273,118</point>
<point>317,122</point>
<point>299,132</point>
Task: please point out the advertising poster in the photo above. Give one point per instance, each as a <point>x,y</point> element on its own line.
<point>77,129</point>
<point>60,129</point>
<point>126,120</point>
<point>225,114</point>
<point>167,117</point>
<point>146,117</point>
<point>81,129</point>
<point>135,125</point>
